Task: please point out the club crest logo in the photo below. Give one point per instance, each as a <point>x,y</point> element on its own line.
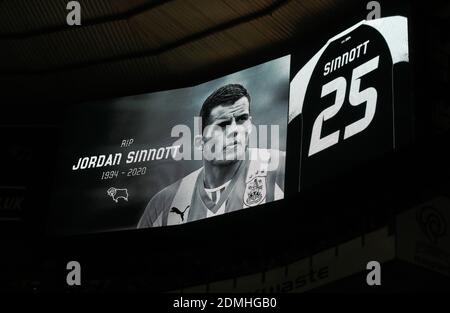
<point>255,191</point>
<point>117,193</point>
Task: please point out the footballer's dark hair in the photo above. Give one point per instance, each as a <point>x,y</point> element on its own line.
<point>226,95</point>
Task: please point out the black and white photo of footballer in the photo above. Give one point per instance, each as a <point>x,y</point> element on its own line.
<point>235,178</point>
<point>173,156</point>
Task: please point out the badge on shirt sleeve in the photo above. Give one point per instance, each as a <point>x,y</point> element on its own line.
<point>255,190</point>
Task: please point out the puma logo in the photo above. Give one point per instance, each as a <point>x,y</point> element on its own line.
<point>177,211</point>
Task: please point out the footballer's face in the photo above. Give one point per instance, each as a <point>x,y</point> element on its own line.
<point>226,136</point>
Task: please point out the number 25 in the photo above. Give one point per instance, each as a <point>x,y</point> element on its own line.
<point>356,98</point>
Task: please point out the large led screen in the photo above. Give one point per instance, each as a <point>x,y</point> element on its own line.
<point>177,156</point>
<point>348,99</point>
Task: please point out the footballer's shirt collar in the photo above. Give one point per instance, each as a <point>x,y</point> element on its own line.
<point>207,201</point>
<point>214,193</point>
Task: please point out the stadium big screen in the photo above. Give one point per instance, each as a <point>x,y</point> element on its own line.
<point>349,101</point>
<point>178,156</point>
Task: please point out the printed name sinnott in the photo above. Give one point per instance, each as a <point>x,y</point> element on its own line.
<point>345,59</point>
